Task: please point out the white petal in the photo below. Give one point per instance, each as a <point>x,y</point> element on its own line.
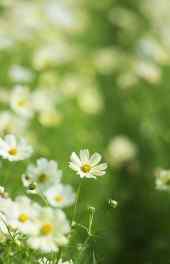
<point>75,159</point>
<point>11,140</point>
<point>102,166</point>
<point>74,166</point>
<point>95,159</point>
<point>84,155</point>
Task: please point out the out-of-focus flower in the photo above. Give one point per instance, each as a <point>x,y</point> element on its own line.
<point>151,50</point>
<point>121,150</point>
<point>60,195</point>
<point>50,118</point>
<point>90,101</point>
<point>42,175</point>
<point>52,55</point>
<point>163,180</point>
<point>52,232</point>
<point>19,74</point>
<point>21,215</point>
<point>11,124</point>
<point>14,149</point>
<point>87,166</point>
<point>21,101</point>
<point>65,262</point>
<point>148,71</point>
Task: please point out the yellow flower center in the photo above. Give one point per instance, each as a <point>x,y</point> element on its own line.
<point>59,198</point>
<point>23,218</point>
<point>86,168</point>
<point>22,102</point>
<point>42,178</point>
<point>46,229</point>
<point>12,151</point>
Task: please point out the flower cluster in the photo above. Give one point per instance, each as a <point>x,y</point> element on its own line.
<point>46,227</point>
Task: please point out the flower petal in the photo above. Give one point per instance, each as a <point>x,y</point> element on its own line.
<point>95,159</point>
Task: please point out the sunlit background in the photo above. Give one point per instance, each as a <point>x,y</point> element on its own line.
<point>97,73</point>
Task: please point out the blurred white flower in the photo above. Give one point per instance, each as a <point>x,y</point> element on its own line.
<point>121,150</point>
<point>163,180</point>
<point>19,73</point>
<point>53,231</point>
<point>21,101</point>
<point>60,195</point>
<point>42,175</point>
<point>14,149</point>
<point>87,166</point>
<point>90,101</point>
<point>151,50</point>
<point>52,55</point>
<point>148,71</point>
<point>11,123</point>
<point>21,215</point>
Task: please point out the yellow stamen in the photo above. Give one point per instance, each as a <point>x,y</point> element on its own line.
<point>86,168</point>
<point>42,178</point>
<point>46,229</point>
<point>59,198</point>
<point>12,151</point>
<point>23,218</point>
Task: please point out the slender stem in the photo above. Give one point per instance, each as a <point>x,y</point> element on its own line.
<point>76,204</point>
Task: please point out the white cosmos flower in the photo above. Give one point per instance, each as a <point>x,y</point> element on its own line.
<point>53,231</point>
<point>14,149</point>
<point>21,101</point>
<point>21,215</point>
<point>60,195</point>
<point>87,166</point>
<point>42,175</point>
<point>65,262</point>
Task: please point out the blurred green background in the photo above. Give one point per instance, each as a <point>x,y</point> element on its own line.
<point>107,65</point>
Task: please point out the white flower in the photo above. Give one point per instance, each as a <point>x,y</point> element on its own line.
<point>52,232</point>
<point>163,180</point>
<point>60,195</point>
<point>42,175</point>
<point>21,215</point>
<point>11,123</point>
<point>121,150</point>
<point>87,166</point>
<point>14,149</point>
<point>65,262</point>
<point>19,73</point>
<point>21,101</point>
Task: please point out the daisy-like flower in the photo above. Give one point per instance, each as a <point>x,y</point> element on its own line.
<point>14,149</point>
<point>65,262</point>
<point>21,215</point>
<point>60,195</point>
<point>163,180</point>
<point>21,101</point>
<point>42,175</point>
<point>87,166</point>
<point>52,232</point>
